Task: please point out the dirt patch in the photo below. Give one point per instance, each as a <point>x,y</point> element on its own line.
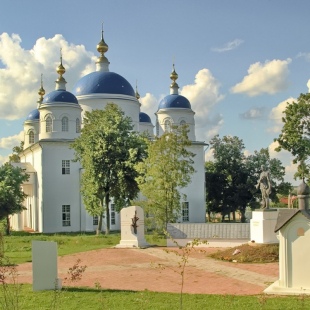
<point>139,269</point>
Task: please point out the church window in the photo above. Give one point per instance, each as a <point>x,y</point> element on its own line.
<point>78,125</point>
<point>66,167</point>
<point>65,124</point>
<point>112,214</point>
<point>182,122</point>
<point>31,137</point>
<point>185,211</point>
<point>167,125</point>
<point>95,220</point>
<point>66,219</point>
<point>49,124</point>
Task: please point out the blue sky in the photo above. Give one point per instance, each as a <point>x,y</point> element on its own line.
<point>238,62</point>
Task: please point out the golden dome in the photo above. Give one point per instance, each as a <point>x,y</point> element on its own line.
<point>173,76</point>
<point>102,47</point>
<point>61,69</point>
<point>41,91</point>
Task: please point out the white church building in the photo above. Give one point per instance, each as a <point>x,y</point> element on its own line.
<point>54,202</point>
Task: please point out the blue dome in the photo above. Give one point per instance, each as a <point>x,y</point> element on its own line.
<point>59,96</point>
<point>33,115</point>
<point>144,118</point>
<point>174,101</point>
<point>102,82</point>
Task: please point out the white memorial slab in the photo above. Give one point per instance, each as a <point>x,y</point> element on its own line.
<point>44,266</point>
<point>262,226</point>
<point>132,228</point>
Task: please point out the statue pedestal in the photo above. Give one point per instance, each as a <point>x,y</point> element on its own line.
<point>132,228</point>
<point>262,226</point>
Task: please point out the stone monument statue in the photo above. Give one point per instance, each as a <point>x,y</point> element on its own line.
<point>264,184</point>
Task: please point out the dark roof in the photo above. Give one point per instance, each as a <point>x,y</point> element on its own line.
<point>285,215</point>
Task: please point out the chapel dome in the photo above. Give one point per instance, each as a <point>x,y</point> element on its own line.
<point>174,101</point>
<point>144,118</point>
<point>33,115</point>
<point>103,82</point>
<point>59,96</point>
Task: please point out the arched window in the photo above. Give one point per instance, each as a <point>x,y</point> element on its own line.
<point>31,137</point>
<point>65,124</point>
<point>78,125</point>
<point>182,122</point>
<point>167,125</point>
<point>48,124</point>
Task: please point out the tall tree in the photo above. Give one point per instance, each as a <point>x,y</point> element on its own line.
<point>14,157</point>
<point>295,133</point>
<point>229,170</point>
<point>108,150</point>
<point>164,172</point>
<point>11,194</point>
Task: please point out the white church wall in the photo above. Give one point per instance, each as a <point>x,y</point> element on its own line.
<point>57,112</point>
<point>195,191</point>
<point>60,189</point>
<point>176,115</point>
<point>129,105</point>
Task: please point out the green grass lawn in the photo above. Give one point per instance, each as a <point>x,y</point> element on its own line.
<point>93,299</point>
<point>17,246</point>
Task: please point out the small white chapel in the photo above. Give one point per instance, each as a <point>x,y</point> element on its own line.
<point>54,203</point>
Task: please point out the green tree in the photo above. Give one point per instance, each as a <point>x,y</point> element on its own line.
<point>14,157</point>
<point>232,190</point>
<point>276,169</point>
<point>295,133</point>
<point>11,194</point>
<point>108,150</point>
<point>231,178</point>
<point>164,172</point>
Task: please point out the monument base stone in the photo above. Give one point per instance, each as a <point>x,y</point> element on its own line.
<point>132,228</point>
<point>262,226</point>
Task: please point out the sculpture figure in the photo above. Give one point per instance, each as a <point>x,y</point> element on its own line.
<point>264,184</point>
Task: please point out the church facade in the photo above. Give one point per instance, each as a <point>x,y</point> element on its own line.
<point>54,202</point>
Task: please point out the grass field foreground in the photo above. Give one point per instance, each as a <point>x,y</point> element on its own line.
<point>95,299</point>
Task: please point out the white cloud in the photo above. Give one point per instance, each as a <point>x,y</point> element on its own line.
<point>203,95</point>
<point>20,75</point>
<point>149,105</point>
<point>270,77</point>
<point>253,113</point>
<point>306,56</point>
<point>276,115</point>
<point>228,46</point>
<point>10,142</point>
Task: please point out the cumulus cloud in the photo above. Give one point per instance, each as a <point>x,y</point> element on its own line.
<point>149,104</point>
<point>253,113</point>
<point>228,46</point>
<point>276,115</point>
<point>269,77</point>
<point>203,95</point>
<point>21,70</point>
<point>10,142</point>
